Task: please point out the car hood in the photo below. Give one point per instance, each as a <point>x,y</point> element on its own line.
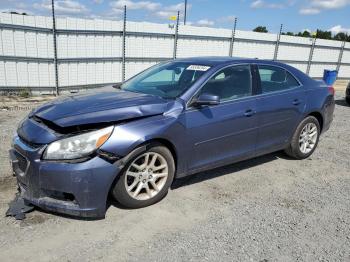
<point>103,107</point>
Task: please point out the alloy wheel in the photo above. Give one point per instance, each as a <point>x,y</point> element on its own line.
<point>308,138</point>
<point>146,176</point>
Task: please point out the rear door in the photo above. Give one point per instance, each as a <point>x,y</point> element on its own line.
<point>280,106</point>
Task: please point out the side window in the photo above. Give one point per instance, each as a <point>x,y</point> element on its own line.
<point>230,83</point>
<point>275,79</point>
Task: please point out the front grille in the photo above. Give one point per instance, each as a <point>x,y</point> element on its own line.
<point>22,162</point>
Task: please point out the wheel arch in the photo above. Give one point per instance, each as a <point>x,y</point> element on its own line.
<point>319,118</point>
<point>167,144</point>
<point>138,149</point>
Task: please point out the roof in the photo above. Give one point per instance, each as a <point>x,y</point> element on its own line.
<point>213,60</point>
<point>217,60</point>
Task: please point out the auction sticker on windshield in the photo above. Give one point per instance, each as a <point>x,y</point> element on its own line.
<point>198,68</point>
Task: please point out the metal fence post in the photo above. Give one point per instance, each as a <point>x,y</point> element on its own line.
<point>55,47</point>
<point>278,43</point>
<point>176,34</point>
<point>233,37</point>
<point>124,46</point>
<point>311,55</point>
<point>340,56</point>
<point>185,15</point>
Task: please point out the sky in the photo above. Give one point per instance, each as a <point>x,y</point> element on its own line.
<point>295,15</point>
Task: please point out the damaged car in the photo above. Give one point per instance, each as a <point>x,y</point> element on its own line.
<point>174,119</point>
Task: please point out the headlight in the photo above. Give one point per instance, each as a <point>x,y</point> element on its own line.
<point>77,146</point>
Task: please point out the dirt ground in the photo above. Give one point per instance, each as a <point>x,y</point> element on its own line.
<point>267,209</point>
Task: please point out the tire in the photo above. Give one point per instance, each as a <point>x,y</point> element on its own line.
<point>347,100</point>
<point>296,149</point>
<point>133,178</point>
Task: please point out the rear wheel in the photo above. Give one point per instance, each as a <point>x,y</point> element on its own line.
<point>347,100</point>
<point>305,139</point>
<point>146,178</point>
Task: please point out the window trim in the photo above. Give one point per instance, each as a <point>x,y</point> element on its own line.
<point>278,91</point>
<point>253,92</point>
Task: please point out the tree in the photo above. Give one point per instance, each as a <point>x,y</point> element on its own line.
<point>341,37</point>
<point>324,34</point>
<point>288,33</point>
<point>320,34</point>
<point>304,34</point>
<point>261,29</point>
<point>16,13</point>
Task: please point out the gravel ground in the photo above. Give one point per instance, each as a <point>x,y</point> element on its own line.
<point>267,209</point>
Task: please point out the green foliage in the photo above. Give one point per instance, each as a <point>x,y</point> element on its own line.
<point>342,37</point>
<point>304,34</point>
<point>324,34</point>
<point>261,29</point>
<point>24,93</point>
<point>319,34</point>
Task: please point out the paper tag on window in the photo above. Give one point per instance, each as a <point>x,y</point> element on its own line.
<point>198,68</point>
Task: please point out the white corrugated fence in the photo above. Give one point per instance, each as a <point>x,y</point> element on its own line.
<point>89,52</point>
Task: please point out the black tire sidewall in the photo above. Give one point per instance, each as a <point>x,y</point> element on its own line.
<point>120,193</point>
<point>295,141</point>
<point>347,99</point>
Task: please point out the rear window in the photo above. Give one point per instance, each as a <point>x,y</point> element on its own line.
<point>275,79</point>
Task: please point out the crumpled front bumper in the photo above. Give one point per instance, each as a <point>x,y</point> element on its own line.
<point>77,189</point>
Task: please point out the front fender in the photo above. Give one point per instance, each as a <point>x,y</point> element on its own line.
<point>129,136</point>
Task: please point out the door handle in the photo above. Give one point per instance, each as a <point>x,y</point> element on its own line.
<point>249,113</point>
<point>296,102</point>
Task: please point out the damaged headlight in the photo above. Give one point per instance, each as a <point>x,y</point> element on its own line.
<point>79,146</point>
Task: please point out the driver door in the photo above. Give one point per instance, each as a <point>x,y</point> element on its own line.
<point>226,132</point>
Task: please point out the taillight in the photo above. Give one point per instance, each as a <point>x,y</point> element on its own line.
<point>331,90</point>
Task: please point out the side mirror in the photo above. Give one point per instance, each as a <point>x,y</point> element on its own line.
<point>117,85</point>
<point>206,100</point>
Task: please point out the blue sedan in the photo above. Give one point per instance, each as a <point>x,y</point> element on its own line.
<point>174,119</point>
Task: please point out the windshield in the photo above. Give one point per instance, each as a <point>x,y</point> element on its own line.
<point>168,80</point>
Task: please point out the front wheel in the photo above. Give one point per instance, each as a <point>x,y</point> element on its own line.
<point>305,139</point>
<point>146,178</point>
